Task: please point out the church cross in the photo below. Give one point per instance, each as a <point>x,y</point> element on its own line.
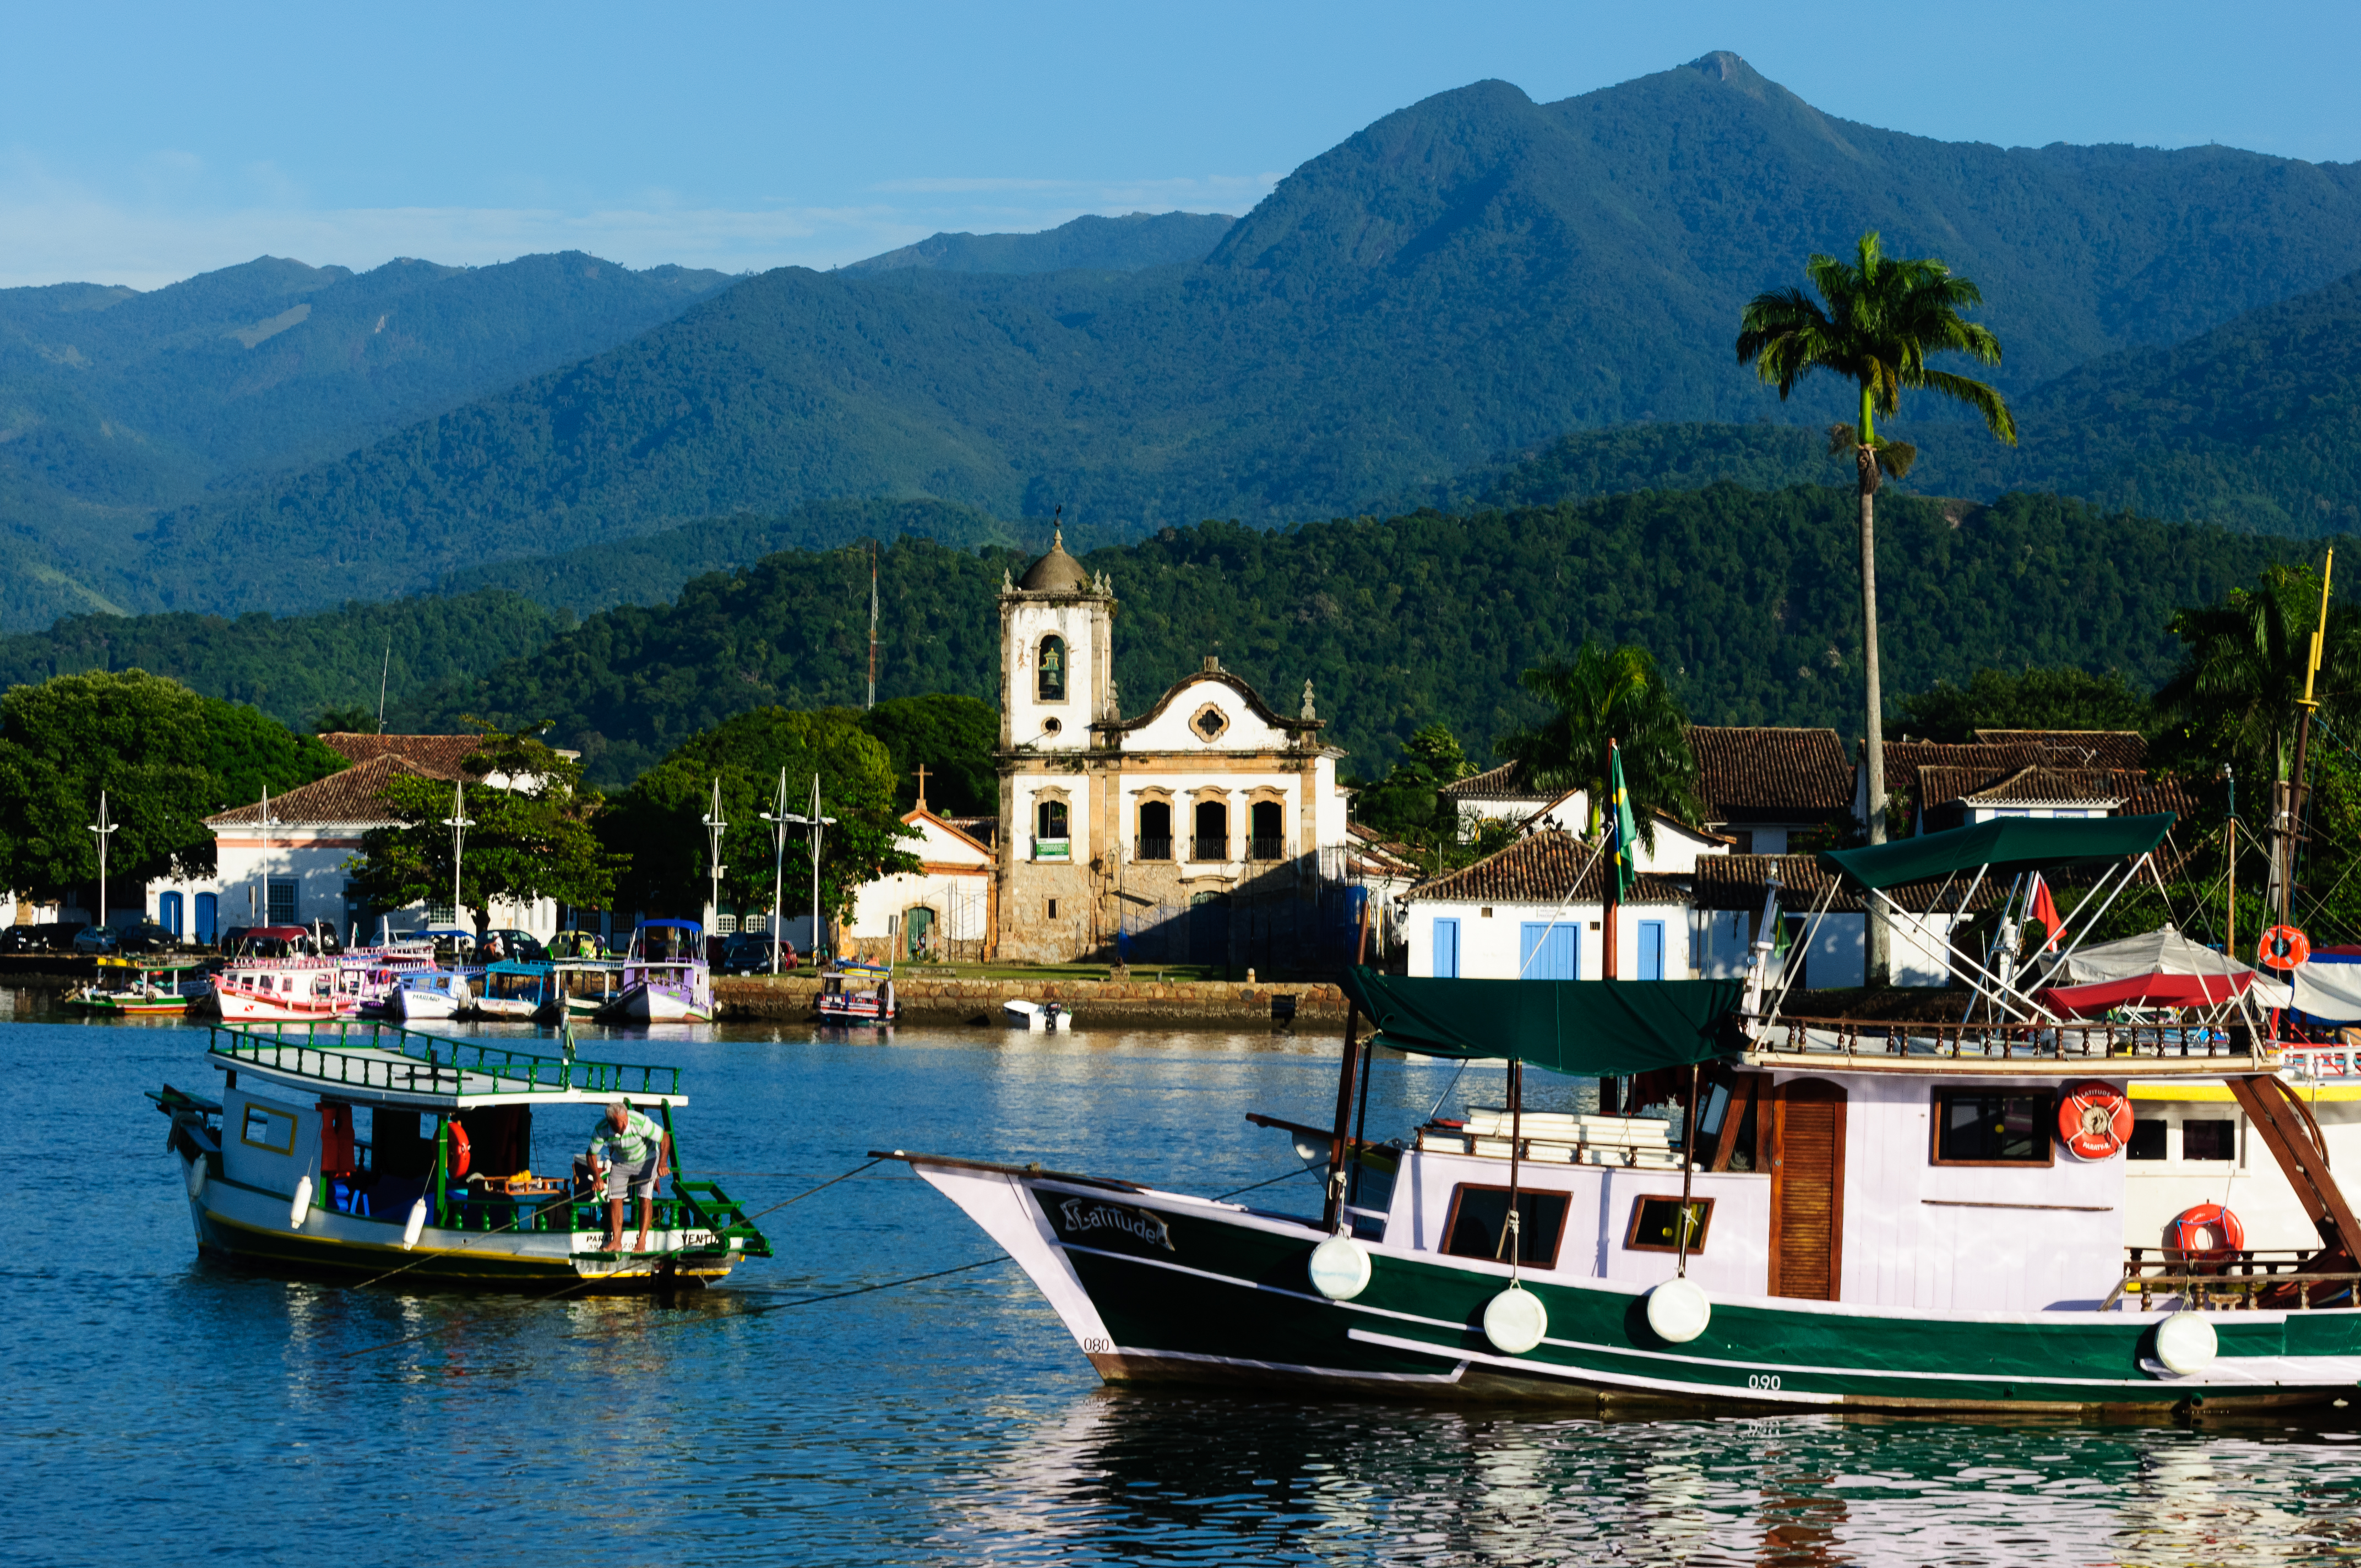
<point>922,786</point>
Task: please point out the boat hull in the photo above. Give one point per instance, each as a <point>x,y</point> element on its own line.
<point>1161,1288</point>
<point>239,1007</point>
<point>649,1004</point>
<point>507,1007</point>
<point>412,1006</point>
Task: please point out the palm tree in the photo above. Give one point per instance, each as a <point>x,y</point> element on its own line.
<point>1883,317</point>
<point>1606,693</point>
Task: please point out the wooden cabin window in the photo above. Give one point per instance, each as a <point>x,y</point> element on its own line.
<point>1479,1214</point>
<point>2146,1139</point>
<point>1652,1223</point>
<point>1993,1127</point>
<point>2212,1139</point>
<point>267,1129</point>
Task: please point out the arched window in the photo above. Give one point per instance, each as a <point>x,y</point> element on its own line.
<point>1266,830</point>
<point>1213,841</point>
<point>1049,823</point>
<point>1052,684</point>
<point>1155,831</point>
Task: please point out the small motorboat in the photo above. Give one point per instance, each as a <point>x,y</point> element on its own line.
<point>856,992</point>
<point>140,986</point>
<point>580,988</point>
<point>515,989</point>
<point>1037,1017</point>
<point>428,993</point>
<point>664,979</point>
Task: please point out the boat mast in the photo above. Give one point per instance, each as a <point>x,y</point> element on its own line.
<point>2295,795</point>
<point>872,623</point>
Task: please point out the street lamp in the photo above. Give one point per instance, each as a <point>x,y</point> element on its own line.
<point>714,827</point>
<point>779,820</point>
<point>458,822</point>
<point>814,821</point>
<point>105,829</point>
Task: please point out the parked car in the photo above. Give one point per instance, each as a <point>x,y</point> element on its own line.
<point>146,936</point>
<point>748,952</point>
<point>93,939</point>
<point>23,939</point>
<point>518,947</point>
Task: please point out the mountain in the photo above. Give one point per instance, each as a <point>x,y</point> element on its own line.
<point>1108,244</point>
<point>1750,601</point>
<point>1474,274</point>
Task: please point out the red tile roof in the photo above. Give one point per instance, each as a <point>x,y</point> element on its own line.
<point>1541,869</point>
<point>1760,774</point>
<point>437,756</point>
<point>2077,747</point>
<point>352,797</point>
<point>1506,782</point>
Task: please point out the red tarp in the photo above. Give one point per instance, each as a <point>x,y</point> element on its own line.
<point>2146,991</point>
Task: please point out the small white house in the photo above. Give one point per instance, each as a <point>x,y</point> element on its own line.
<point>1536,911</point>
<point>941,911</point>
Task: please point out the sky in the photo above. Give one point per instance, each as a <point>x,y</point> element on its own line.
<point>142,143</point>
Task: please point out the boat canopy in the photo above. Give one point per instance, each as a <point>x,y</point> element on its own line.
<point>2007,845</point>
<point>2162,951</point>
<point>679,924</point>
<point>1582,1027</point>
<point>2161,990</point>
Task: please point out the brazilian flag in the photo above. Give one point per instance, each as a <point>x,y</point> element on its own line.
<point>1627,831</point>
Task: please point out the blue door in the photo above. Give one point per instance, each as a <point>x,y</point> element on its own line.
<point>1447,949</point>
<point>1545,950</point>
<point>1652,950</point>
<point>168,913</point>
<point>207,920</point>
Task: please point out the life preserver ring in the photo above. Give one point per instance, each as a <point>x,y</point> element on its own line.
<point>2206,1232</point>
<point>2094,1120</point>
<point>2284,947</point>
<point>458,1151</point>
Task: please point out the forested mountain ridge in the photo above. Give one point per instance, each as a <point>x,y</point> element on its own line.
<point>1122,244</point>
<point>1750,601</point>
<point>1474,274</point>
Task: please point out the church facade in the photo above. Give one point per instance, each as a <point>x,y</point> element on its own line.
<point>1166,835</point>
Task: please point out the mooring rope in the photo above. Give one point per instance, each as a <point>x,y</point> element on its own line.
<point>1299,1170</point>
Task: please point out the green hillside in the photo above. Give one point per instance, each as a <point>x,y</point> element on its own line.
<point>1123,244</point>
<point>1750,598</point>
<point>1473,275</point>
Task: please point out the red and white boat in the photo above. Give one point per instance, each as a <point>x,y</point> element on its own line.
<point>287,990</point>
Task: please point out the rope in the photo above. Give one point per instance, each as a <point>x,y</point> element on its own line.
<point>814,1300</point>
<point>1299,1170</point>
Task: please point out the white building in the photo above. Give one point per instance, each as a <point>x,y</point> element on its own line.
<point>1207,817</point>
<point>940,912</point>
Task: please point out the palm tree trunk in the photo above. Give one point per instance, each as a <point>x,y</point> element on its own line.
<point>1879,954</point>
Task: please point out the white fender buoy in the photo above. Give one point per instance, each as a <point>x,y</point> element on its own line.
<point>1678,1310</point>
<point>413,1225</point>
<point>1340,1268</point>
<point>302,1205</point>
<point>1515,1320</point>
<point>2185,1342</point>
<point>195,1176</point>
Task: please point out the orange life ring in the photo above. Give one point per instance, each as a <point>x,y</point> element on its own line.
<point>2094,1120</point>
<point>2284,947</point>
<point>458,1150</point>
<point>2207,1233</point>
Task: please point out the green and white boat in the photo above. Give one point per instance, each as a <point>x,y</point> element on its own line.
<point>367,1149</point>
<point>141,987</point>
<point>1872,1216</point>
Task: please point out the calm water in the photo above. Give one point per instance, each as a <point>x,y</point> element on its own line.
<point>158,1407</point>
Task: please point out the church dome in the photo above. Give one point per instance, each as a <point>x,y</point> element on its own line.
<point>1057,572</point>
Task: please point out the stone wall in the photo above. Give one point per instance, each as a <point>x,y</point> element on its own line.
<point>1092,1002</point>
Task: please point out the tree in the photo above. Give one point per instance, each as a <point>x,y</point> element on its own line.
<point>357,720</point>
<point>2031,698</point>
<point>166,758</point>
<point>1406,803</point>
<point>954,739</point>
<point>530,837</point>
<point>1606,693</point>
<point>1882,318</point>
<point>659,822</point>
<point>2234,697</point>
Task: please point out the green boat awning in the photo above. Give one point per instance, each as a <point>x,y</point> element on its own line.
<point>1586,1027</point>
<point>2006,844</point>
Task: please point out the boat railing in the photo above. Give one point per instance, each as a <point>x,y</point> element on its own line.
<point>366,1054</point>
<point>2245,1278</point>
<point>2029,1041</point>
<point>694,1206</point>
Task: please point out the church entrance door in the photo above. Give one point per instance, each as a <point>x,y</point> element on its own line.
<point>1208,928</point>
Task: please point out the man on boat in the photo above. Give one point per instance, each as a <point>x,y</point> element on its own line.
<point>635,1153</point>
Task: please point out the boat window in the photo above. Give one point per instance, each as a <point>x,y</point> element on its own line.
<point>268,1129</point>
<point>1993,1127</point>
<point>1479,1213</point>
<point>2146,1140</point>
<point>1653,1219</point>
<point>2209,1139</point>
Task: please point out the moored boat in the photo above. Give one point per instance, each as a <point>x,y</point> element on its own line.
<point>1037,1017</point>
<point>580,987</point>
<point>664,977</point>
<point>1858,1214</point>
<point>515,989</point>
<point>419,995</point>
<point>856,992</point>
<point>290,990</point>
<point>367,1149</point>
<point>141,987</point>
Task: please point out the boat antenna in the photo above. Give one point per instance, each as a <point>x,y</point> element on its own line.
<point>383,670</point>
<point>872,623</point>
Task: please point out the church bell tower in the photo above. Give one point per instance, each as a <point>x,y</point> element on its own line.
<point>1057,654</point>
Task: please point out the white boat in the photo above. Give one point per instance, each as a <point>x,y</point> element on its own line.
<point>286,991</point>
<point>666,979</point>
<point>429,993</point>
<point>856,992</point>
<point>1037,1017</point>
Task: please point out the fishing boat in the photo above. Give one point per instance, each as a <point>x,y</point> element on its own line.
<point>1037,1017</point>
<point>419,995</point>
<point>287,990</point>
<point>515,989</point>
<point>580,987</point>
<point>857,992</point>
<point>664,977</point>
<point>1856,1214</point>
<point>367,1149</point>
<point>139,987</point>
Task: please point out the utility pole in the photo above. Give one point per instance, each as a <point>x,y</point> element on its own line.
<point>714,827</point>
<point>779,818</point>
<point>873,628</point>
<point>2295,795</point>
<point>458,822</point>
<point>815,822</point>
<point>105,829</point>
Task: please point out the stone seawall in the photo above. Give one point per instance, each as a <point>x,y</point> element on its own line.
<point>1093,1002</point>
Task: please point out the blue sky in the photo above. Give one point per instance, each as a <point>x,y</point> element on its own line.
<point>140,143</point>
